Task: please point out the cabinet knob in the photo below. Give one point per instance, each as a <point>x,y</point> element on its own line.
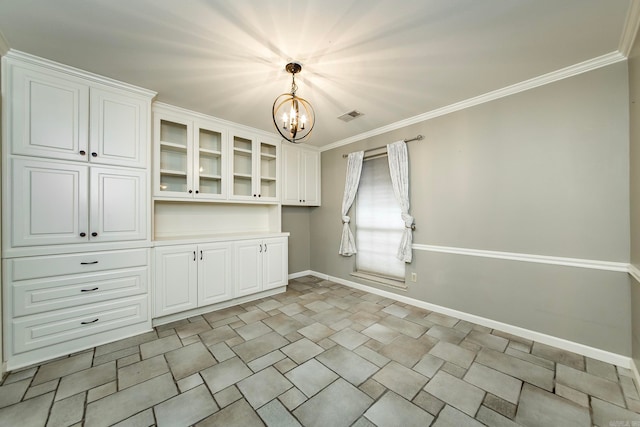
<point>82,152</point>
<point>259,195</point>
<point>197,191</point>
<point>254,195</point>
<point>94,234</point>
<point>83,234</point>
<point>190,191</point>
<point>94,154</point>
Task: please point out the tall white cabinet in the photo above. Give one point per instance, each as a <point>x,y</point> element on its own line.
<point>75,203</point>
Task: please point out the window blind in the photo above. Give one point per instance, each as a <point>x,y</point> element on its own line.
<point>379,225</point>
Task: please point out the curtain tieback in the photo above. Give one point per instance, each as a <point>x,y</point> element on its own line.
<point>408,221</point>
<point>345,220</point>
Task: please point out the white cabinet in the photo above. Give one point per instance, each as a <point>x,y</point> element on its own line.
<point>190,157</point>
<point>301,176</point>
<point>57,203</point>
<point>260,264</point>
<point>57,115</point>
<point>190,276</point>
<point>255,167</point>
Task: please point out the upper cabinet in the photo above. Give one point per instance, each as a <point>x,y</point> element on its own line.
<point>255,168</point>
<point>200,157</point>
<point>301,176</point>
<point>190,158</point>
<point>59,115</point>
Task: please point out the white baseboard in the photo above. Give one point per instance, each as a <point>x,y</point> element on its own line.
<point>585,350</point>
<point>302,274</point>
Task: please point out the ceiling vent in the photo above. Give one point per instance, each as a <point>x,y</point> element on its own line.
<point>347,117</point>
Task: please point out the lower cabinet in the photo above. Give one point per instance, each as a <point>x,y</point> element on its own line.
<point>191,276</point>
<point>59,304</point>
<point>261,264</point>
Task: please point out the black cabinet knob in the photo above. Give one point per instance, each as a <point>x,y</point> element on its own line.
<point>197,191</point>
<point>83,234</point>
<point>94,234</point>
<point>190,191</point>
<point>82,152</point>
<point>94,154</point>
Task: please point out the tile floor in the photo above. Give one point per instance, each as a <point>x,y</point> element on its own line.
<point>321,354</point>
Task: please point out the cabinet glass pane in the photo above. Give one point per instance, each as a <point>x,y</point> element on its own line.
<point>210,140</point>
<point>210,165</point>
<point>241,143</point>
<point>242,163</point>
<point>175,133</point>
<point>241,186</point>
<point>173,159</point>
<point>173,183</point>
<point>268,188</point>
<point>210,186</point>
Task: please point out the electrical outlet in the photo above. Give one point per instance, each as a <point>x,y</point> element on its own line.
<point>414,277</point>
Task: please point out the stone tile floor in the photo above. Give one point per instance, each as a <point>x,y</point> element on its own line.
<point>321,354</point>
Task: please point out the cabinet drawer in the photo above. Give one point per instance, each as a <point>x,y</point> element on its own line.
<point>59,265</point>
<point>37,296</point>
<point>33,332</point>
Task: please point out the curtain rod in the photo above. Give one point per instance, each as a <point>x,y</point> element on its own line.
<point>417,138</point>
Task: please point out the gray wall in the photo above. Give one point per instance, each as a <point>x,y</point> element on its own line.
<point>540,172</point>
<point>634,161</point>
<point>295,220</point>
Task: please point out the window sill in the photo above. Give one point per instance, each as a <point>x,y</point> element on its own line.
<point>394,283</point>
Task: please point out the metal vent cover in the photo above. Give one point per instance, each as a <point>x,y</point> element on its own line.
<point>353,114</point>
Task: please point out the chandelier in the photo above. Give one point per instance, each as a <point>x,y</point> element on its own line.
<point>293,116</point>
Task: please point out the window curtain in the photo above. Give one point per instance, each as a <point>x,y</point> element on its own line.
<point>399,170</point>
<point>354,167</point>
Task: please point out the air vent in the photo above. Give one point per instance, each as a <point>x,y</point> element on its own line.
<point>347,117</point>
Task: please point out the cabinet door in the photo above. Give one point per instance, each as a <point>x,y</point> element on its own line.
<point>173,157</point>
<point>275,263</point>
<point>248,267</point>
<point>267,170</point>
<point>118,123</point>
<point>118,205</point>
<point>310,177</point>
<point>49,203</point>
<point>291,175</point>
<point>243,155</point>
<point>209,162</point>
<point>49,114</point>
<point>215,275</point>
<point>176,282</point>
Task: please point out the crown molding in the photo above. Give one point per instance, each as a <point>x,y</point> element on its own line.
<point>554,76</point>
<point>634,272</point>
<point>27,58</point>
<point>630,29</point>
<point>4,45</point>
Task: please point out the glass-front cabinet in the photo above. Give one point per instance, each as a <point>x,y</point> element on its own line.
<point>189,159</point>
<point>254,167</point>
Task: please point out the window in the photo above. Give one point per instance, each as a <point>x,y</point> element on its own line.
<point>379,225</point>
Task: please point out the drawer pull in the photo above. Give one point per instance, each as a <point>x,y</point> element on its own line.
<point>87,323</point>
<point>88,263</point>
<point>89,290</point>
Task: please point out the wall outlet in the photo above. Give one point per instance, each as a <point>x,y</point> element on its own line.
<point>414,277</point>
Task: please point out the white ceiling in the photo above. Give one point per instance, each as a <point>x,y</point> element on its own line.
<point>390,59</point>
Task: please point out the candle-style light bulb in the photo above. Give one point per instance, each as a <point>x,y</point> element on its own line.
<point>284,120</point>
<point>303,119</point>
